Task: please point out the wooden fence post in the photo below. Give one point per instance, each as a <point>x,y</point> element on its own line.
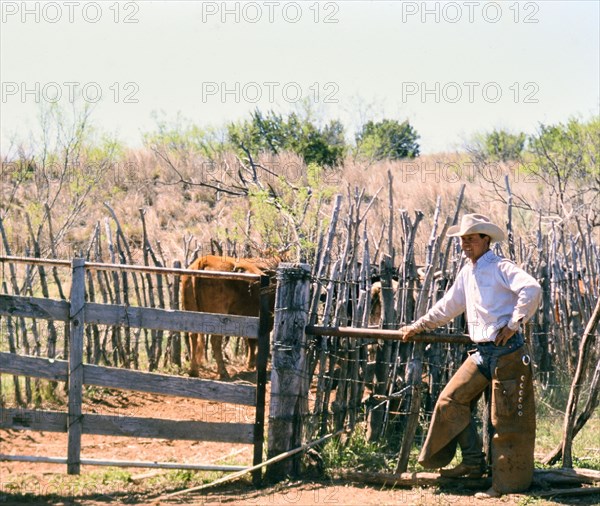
<point>289,384</point>
<point>77,320</point>
<point>261,375</point>
<point>175,337</point>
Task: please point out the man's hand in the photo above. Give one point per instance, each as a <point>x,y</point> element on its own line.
<point>504,335</point>
<point>408,331</point>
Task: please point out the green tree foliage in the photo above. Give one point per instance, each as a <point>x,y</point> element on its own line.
<point>504,146</point>
<point>274,133</point>
<point>563,160</point>
<point>498,146</point>
<point>567,158</point>
<point>290,214</point>
<point>183,137</point>
<point>387,139</point>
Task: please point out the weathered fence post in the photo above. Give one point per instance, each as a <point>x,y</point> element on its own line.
<point>76,316</point>
<point>289,367</point>
<point>261,375</point>
<point>175,337</point>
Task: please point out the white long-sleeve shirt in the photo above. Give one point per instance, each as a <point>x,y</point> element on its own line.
<point>493,292</point>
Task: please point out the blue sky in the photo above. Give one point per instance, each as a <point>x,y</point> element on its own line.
<point>451,68</point>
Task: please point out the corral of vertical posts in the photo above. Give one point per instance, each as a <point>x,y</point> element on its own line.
<point>358,375</point>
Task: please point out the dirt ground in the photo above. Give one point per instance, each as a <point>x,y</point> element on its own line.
<point>41,483</point>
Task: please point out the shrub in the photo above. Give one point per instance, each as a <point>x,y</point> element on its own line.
<point>387,139</point>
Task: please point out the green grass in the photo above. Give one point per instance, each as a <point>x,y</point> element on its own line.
<point>357,453</point>
<point>112,483</point>
<point>586,444</point>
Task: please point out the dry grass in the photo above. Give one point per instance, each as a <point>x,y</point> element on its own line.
<point>175,210</point>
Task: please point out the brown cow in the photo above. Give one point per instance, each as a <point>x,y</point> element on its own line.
<point>224,296</point>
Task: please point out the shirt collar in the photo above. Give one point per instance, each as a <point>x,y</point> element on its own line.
<point>488,256</point>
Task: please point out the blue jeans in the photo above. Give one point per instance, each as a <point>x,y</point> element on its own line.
<point>486,356</point>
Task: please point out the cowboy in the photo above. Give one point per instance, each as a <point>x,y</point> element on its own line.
<point>498,298</point>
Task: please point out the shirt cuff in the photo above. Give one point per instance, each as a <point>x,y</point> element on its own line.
<point>422,326</point>
<point>514,325</point>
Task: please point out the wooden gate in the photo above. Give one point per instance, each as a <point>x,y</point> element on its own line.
<point>77,312</point>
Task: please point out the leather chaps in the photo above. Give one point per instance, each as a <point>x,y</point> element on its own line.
<point>513,420</point>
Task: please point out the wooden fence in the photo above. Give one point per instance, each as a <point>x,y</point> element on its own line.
<point>290,417</point>
<point>76,312</point>
<point>349,377</point>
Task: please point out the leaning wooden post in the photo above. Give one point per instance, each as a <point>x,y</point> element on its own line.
<point>584,357</point>
<point>289,367</point>
<point>76,317</point>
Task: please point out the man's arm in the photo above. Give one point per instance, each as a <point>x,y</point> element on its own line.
<point>529,295</point>
<point>449,306</point>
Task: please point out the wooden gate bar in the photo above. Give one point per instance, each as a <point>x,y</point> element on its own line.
<point>169,319</point>
<point>125,463</point>
<point>242,276</point>
<point>133,316</point>
<point>377,333</point>
<point>125,379</point>
<point>128,426</point>
<point>34,367</point>
<point>34,307</point>
<point>52,262</point>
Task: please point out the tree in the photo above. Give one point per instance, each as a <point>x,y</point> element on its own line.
<point>562,159</point>
<point>387,139</point>
<point>49,181</point>
<point>273,133</point>
<point>504,146</point>
<point>567,158</point>
<point>183,137</point>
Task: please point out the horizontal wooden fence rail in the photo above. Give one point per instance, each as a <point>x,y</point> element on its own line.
<point>242,276</point>
<point>128,426</point>
<point>377,333</point>
<point>34,307</point>
<point>132,316</point>
<point>125,379</point>
<point>125,463</point>
<point>50,262</point>
<point>77,312</point>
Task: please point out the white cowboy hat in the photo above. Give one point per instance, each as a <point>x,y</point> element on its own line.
<point>476,224</point>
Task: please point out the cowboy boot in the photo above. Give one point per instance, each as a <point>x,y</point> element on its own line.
<point>464,470</point>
